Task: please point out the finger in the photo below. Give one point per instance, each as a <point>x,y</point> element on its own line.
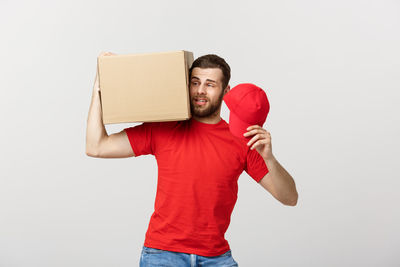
<point>251,132</point>
<point>259,143</point>
<point>255,138</point>
<point>109,54</point>
<point>105,54</point>
<point>253,127</point>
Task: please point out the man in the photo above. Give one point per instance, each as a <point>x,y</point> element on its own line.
<point>199,162</point>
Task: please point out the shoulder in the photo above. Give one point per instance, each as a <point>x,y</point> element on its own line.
<point>234,141</point>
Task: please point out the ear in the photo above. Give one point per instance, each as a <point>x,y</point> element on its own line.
<point>227,89</point>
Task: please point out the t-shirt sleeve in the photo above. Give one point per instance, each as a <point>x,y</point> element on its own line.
<point>142,138</point>
<point>255,165</point>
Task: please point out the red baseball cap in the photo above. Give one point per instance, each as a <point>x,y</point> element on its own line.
<point>248,105</point>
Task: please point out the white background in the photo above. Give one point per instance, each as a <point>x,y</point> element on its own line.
<point>331,70</point>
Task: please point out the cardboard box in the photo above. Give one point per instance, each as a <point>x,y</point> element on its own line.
<point>145,87</point>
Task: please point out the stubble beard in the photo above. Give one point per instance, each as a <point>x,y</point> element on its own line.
<point>201,112</point>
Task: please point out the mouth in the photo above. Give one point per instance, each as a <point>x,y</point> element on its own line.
<point>200,101</point>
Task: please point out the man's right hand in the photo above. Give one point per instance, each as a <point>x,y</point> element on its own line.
<point>96,86</point>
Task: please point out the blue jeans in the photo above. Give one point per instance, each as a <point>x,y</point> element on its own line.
<point>152,257</point>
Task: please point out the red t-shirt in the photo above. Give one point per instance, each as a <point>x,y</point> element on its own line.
<point>198,168</point>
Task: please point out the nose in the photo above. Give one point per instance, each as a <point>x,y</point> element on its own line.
<point>201,89</point>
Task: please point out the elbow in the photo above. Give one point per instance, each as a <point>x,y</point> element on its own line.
<point>292,198</point>
<point>91,153</point>
<point>291,201</point>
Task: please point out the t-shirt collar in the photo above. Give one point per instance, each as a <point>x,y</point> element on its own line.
<point>206,125</point>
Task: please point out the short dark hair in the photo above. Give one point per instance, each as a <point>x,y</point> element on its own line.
<point>213,61</point>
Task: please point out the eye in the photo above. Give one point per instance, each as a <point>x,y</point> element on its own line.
<point>210,84</point>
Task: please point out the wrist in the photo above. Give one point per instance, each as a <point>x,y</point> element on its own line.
<point>270,159</point>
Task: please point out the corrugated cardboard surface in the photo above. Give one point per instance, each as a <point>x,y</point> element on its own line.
<point>145,87</point>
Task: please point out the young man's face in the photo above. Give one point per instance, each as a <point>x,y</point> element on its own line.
<point>206,92</point>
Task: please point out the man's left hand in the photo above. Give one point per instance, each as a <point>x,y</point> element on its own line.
<point>261,141</point>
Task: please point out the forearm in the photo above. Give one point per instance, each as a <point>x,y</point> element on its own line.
<point>95,130</point>
<point>283,183</point>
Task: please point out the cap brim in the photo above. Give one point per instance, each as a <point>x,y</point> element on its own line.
<point>238,127</point>
<point>227,99</point>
